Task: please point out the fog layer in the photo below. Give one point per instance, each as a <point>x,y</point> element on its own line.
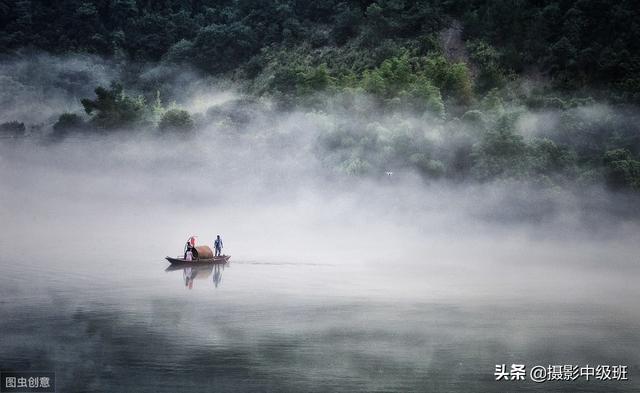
<point>265,180</point>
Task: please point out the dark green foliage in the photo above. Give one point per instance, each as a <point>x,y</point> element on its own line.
<point>577,43</point>
<point>346,22</point>
<point>453,79</point>
<point>299,80</point>
<point>397,80</point>
<point>487,59</point>
<point>544,102</point>
<point>420,83</point>
<point>12,129</point>
<point>616,155</point>
<point>426,166</point>
<point>300,51</point>
<point>67,122</point>
<point>622,171</point>
<point>480,146</point>
<point>180,52</point>
<point>176,120</point>
<point>546,157</point>
<point>475,118</point>
<point>503,153</point>
<point>113,109</point>
<point>500,153</point>
<point>219,48</point>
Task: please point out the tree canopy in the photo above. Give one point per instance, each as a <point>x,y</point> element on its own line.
<point>576,43</point>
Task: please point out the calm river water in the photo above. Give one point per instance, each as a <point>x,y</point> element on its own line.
<point>127,325</point>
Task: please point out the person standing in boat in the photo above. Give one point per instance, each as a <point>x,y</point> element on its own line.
<point>191,243</point>
<point>217,244</point>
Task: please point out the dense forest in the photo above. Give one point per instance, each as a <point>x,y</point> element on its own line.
<point>476,67</point>
<point>578,43</point>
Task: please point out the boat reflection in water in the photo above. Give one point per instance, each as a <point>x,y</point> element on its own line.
<point>193,272</point>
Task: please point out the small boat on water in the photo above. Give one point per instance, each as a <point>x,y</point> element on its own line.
<point>199,261</point>
<point>201,255</point>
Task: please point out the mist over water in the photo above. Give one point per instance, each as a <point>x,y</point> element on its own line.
<point>337,282</point>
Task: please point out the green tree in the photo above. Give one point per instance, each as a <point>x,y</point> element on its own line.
<point>67,122</point>
<point>180,52</point>
<point>12,129</point>
<point>453,80</point>
<point>500,153</point>
<point>397,82</point>
<point>422,96</point>
<point>312,79</point>
<point>427,167</point>
<point>546,157</point>
<point>346,23</point>
<point>176,120</point>
<point>219,48</point>
<point>113,109</point>
<point>488,60</point>
<point>622,171</point>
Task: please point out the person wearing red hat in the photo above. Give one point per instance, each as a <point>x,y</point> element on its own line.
<point>191,243</point>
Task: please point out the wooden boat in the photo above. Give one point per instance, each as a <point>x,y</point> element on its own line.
<point>201,255</point>
<point>199,261</point>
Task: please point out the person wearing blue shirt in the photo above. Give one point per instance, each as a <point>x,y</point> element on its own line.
<point>217,244</point>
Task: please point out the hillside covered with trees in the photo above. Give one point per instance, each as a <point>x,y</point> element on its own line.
<point>577,43</point>
<point>474,66</point>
